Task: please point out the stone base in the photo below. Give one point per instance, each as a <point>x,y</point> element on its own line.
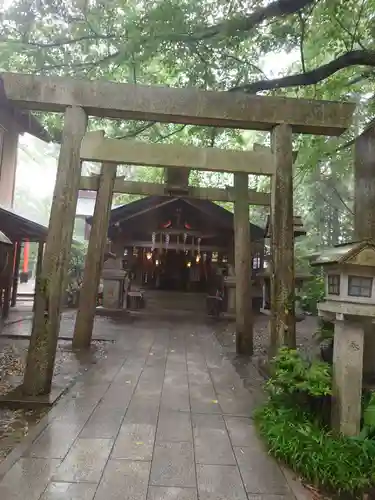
<point>112,313</point>
<point>16,400</point>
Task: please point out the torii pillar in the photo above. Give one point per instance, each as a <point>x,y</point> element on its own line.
<point>364,218</point>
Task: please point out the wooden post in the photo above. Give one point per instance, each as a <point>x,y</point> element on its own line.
<point>38,269</point>
<point>45,330</point>
<point>244,320</point>
<point>16,273</point>
<point>9,279</point>
<point>283,321</point>
<point>94,258</point>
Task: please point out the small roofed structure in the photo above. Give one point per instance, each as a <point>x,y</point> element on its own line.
<point>299,229</point>
<point>349,279</point>
<point>17,231</point>
<point>349,303</point>
<point>13,123</point>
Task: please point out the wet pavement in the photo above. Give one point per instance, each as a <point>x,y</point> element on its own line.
<point>165,415</point>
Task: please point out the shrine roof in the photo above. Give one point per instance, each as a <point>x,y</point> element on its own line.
<point>222,217</point>
<point>340,254</point>
<point>18,228</point>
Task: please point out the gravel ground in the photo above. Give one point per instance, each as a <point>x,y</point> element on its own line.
<point>305,341</point>
<point>15,424</point>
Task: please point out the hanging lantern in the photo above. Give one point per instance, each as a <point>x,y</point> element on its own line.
<point>149,255</point>
<point>185,238</point>
<point>198,258</point>
<point>188,264</point>
<point>167,238</point>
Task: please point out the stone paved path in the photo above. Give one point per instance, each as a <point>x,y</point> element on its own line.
<point>165,417</point>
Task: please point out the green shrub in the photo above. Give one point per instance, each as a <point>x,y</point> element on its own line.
<point>294,423</point>
<point>295,381</point>
<point>325,331</point>
<point>335,463</point>
<point>312,293</point>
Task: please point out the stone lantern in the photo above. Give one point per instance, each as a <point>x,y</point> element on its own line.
<point>349,271</point>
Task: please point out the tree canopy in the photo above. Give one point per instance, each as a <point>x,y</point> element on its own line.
<point>226,45</point>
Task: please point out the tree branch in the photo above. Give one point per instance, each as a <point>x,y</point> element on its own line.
<point>240,26</point>
<point>352,58</point>
<point>60,43</point>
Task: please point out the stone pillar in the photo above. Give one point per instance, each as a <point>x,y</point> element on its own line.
<point>113,277</point>
<point>283,321</point>
<point>244,320</point>
<point>94,258</point>
<point>364,219</point>
<point>45,330</point>
<point>16,273</point>
<point>347,376</point>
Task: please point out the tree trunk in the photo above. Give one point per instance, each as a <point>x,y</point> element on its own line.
<point>94,258</point>
<point>46,323</point>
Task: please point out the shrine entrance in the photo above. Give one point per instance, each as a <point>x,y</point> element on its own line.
<point>177,251</point>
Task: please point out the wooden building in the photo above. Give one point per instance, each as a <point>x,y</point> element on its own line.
<point>178,245</point>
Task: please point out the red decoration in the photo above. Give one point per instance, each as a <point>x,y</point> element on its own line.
<point>187,226</point>
<point>167,224</point>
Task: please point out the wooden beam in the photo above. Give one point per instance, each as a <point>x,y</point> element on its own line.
<point>45,330</point>
<point>93,263</point>
<point>174,105</point>
<point>151,189</point>
<point>96,147</point>
<point>175,246</point>
<point>283,321</point>
<point>242,260</point>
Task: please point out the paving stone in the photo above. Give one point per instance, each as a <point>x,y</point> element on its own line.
<point>69,491</point>
<point>118,396</point>
<point>173,465</point>
<point>241,406</point>
<point>174,398</point>
<point>242,432</point>
<point>134,442</point>
<point>203,399</point>
<point>272,497</point>
<point>124,480</point>
<point>160,493</point>
<point>260,473</point>
<point>219,482</point>
<point>143,411</point>
<point>55,441</point>
<point>211,441</point>
<point>85,461</point>
<point>27,479</point>
<point>104,422</point>
<point>174,426</point>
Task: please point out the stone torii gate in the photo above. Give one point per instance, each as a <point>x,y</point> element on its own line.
<point>179,159</point>
<point>79,99</point>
